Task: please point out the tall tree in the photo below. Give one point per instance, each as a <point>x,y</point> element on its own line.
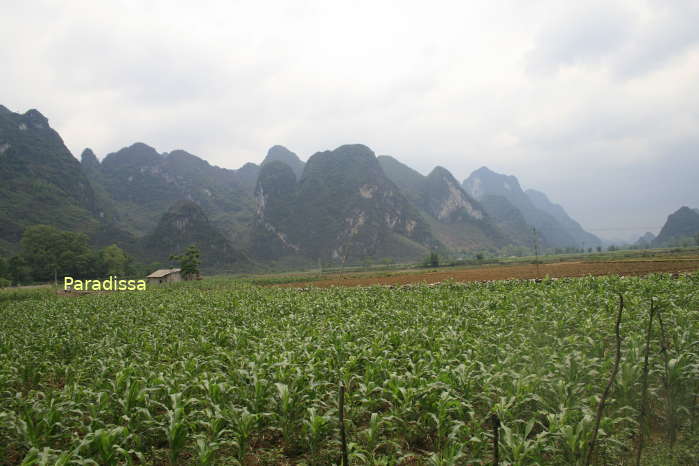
<point>49,251</point>
<point>189,261</point>
<point>114,260</point>
<point>3,267</point>
<point>18,270</point>
<point>4,273</point>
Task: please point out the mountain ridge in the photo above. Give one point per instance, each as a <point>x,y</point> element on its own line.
<point>40,180</point>
<point>144,183</point>
<point>680,225</point>
<point>542,202</point>
<point>185,224</point>
<point>284,155</point>
<point>342,205</point>
<point>485,182</point>
<point>344,208</point>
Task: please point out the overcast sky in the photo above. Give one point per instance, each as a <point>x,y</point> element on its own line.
<point>594,103</point>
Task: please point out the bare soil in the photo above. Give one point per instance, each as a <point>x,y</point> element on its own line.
<point>527,271</point>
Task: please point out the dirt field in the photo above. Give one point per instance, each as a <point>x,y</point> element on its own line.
<point>562,269</point>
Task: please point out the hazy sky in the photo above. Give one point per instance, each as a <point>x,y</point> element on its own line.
<point>595,103</point>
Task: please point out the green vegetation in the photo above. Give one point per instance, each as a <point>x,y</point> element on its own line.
<point>342,210</point>
<point>185,224</point>
<point>26,293</point>
<point>432,260</point>
<point>48,253</point>
<point>47,250</point>
<point>680,229</point>
<point>189,261</point>
<point>115,260</point>
<point>143,184</point>
<point>215,372</point>
<point>40,181</point>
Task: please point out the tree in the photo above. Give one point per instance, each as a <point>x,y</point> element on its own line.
<point>599,248</point>
<point>41,250</point>
<point>189,262</point>
<point>48,252</point>
<point>434,259</point>
<point>114,259</point>
<point>18,270</point>
<point>696,239</point>
<point>4,273</point>
<point>431,261</point>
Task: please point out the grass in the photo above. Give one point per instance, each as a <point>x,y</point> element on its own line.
<point>8,295</point>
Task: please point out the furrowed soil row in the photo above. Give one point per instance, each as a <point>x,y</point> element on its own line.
<point>520,272</point>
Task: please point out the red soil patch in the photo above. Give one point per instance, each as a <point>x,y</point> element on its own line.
<point>528,271</point>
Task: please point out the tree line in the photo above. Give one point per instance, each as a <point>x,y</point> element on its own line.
<point>47,253</point>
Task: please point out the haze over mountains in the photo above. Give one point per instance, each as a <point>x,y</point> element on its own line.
<point>553,223</point>
<point>341,206</point>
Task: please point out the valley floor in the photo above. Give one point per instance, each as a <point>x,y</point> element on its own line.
<point>509,272</point>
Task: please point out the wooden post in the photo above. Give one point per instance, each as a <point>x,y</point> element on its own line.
<point>496,439</point>
<point>672,434</point>
<point>644,392</point>
<point>536,252</point>
<point>602,401</point>
<point>343,438</point>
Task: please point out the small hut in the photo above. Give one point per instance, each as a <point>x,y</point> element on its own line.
<point>164,276</point>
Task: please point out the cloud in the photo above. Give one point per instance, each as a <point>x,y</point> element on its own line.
<point>587,34</point>
<point>572,100</point>
<point>629,40</point>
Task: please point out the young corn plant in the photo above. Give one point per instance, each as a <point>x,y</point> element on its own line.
<point>243,425</point>
<point>315,428</point>
<point>108,446</point>
<point>49,457</point>
<point>213,422</point>
<point>205,450</point>
<point>287,410</point>
<point>177,427</point>
<point>424,368</point>
<point>520,447</point>
<point>451,455</point>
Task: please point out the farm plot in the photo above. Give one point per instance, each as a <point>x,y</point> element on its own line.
<point>249,375</point>
<point>509,272</point>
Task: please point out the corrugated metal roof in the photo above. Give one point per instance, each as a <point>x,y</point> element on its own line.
<point>163,272</point>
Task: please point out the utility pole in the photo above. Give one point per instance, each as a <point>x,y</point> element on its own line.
<point>536,251</point>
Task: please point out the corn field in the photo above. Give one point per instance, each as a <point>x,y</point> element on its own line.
<point>229,373</point>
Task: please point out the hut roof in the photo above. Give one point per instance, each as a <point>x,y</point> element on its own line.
<point>163,273</point>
